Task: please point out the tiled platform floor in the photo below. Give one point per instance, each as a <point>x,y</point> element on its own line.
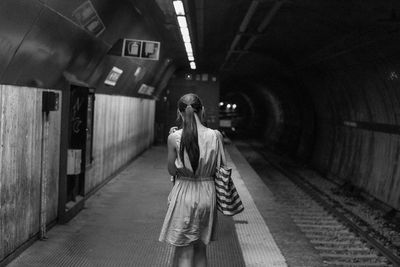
<point>121,223</point>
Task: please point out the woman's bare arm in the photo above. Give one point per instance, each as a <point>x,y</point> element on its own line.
<point>172,154</point>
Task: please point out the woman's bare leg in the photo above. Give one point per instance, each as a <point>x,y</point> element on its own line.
<point>183,256</point>
<point>200,254</point>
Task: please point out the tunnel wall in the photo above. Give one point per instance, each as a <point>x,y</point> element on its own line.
<point>285,118</point>
<point>42,44</point>
<point>21,157</point>
<point>123,128</point>
<point>276,110</point>
<point>357,100</point>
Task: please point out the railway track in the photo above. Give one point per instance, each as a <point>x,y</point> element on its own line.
<point>341,237</point>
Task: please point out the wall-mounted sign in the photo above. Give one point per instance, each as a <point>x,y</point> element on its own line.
<point>113,76</point>
<point>146,89</point>
<point>141,49</point>
<point>225,123</point>
<point>86,16</point>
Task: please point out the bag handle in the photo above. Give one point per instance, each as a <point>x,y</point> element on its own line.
<point>221,160</point>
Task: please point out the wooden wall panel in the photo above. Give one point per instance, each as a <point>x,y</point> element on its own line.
<point>21,121</point>
<point>123,128</point>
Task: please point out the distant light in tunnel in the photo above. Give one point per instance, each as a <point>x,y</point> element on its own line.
<point>179,10</point>
<point>182,21</point>
<point>193,65</point>
<point>221,104</point>
<point>234,106</point>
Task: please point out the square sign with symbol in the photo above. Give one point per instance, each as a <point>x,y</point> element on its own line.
<point>132,48</point>
<point>86,16</point>
<point>141,49</point>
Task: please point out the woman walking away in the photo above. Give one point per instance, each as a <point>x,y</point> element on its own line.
<point>190,222</point>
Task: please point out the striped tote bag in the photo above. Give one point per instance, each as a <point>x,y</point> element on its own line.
<point>228,200</point>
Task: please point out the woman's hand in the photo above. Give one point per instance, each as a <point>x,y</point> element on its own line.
<point>172,130</point>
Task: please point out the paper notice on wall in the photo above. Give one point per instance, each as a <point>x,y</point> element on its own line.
<point>74,161</point>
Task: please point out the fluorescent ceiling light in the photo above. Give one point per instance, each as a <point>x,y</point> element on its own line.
<point>192,65</point>
<point>182,21</point>
<point>138,70</point>
<point>186,38</point>
<point>179,10</point>
<point>190,58</point>
<point>188,47</point>
<point>185,31</point>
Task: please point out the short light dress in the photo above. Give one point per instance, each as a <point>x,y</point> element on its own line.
<point>192,214</point>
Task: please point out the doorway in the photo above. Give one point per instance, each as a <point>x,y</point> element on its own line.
<point>77,137</point>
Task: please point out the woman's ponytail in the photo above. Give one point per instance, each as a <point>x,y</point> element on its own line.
<point>189,139</point>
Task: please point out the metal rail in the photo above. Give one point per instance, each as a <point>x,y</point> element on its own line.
<point>316,193</point>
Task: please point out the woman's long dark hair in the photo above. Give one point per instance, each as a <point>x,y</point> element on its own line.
<point>188,105</point>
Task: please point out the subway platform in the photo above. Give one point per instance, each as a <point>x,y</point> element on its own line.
<point>120,224</point>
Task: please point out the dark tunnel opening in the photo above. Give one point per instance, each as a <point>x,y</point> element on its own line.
<point>277,113</point>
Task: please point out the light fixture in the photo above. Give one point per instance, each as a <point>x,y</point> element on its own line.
<point>188,47</point>
<point>228,106</point>
<point>186,38</point>
<point>185,31</point>
<point>137,72</point>
<point>182,21</point>
<point>234,106</point>
<point>179,10</point>
<point>183,26</point>
<point>221,104</point>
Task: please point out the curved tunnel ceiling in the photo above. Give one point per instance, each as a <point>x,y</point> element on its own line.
<point>229,34</point>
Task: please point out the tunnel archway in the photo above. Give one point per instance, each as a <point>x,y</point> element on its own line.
<point>276,111</point>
